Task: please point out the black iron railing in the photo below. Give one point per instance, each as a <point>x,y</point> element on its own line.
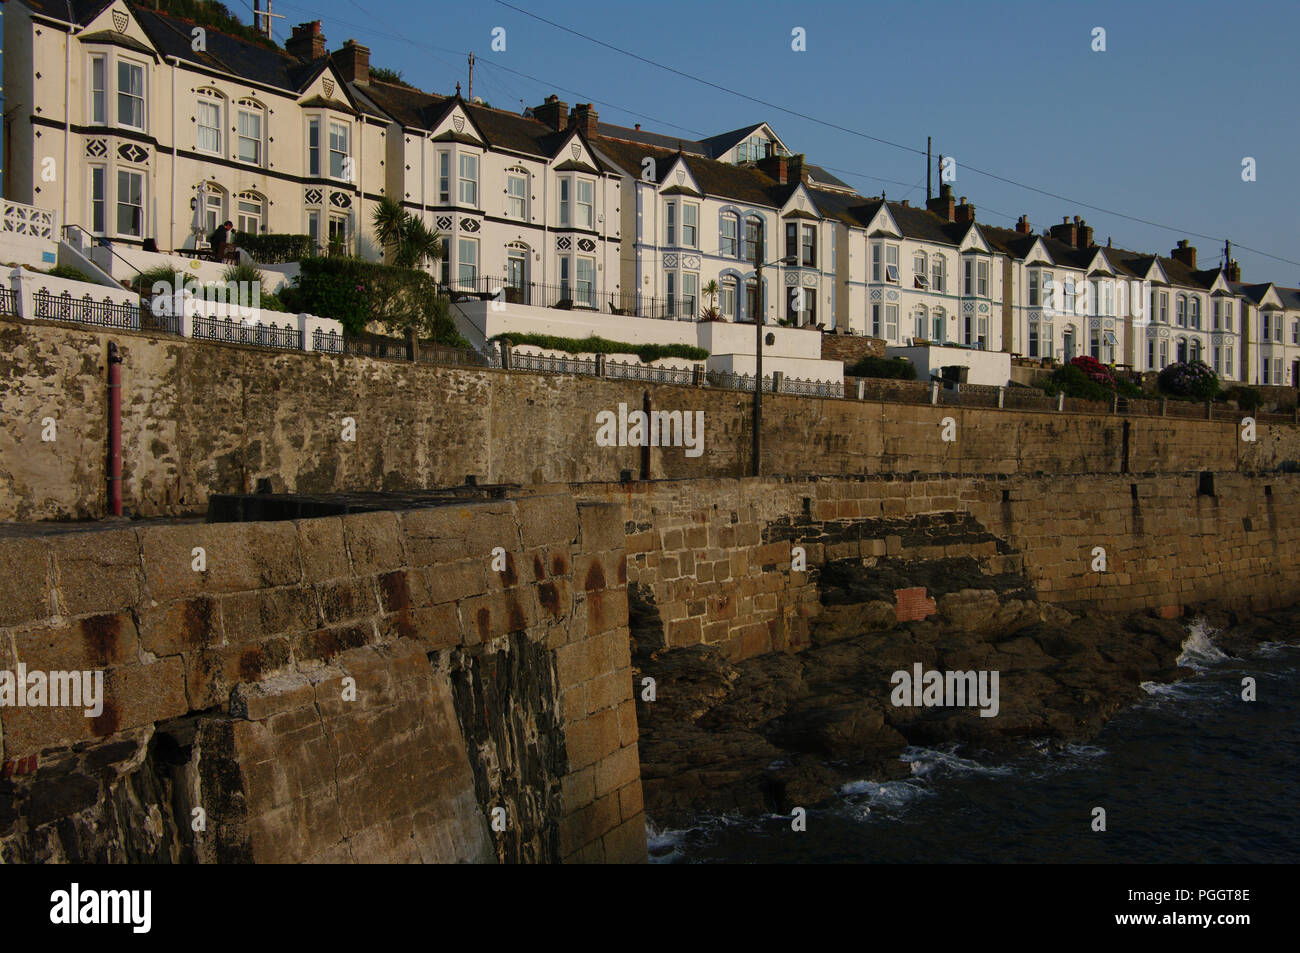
<point>331,343</point>
<point>85,310</point>
<point>229,331</point>
<point>618,370</point>
<point>573,296</point>
<point>8,301</point>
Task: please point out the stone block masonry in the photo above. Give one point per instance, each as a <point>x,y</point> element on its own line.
<point>711,561</point>
<point>201,418</point>
<point>359,688</point>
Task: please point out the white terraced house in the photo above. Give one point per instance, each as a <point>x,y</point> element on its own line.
<point>558,223</point>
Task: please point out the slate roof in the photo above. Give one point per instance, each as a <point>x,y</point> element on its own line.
<point>822,177</point>
<point>720,179</point>
<point>1290,297</point>
<point>717,145</point>
<point>610,131</point>
<point>1254,292</point>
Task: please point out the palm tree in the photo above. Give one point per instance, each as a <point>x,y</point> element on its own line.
<point>411,241</point>
<point>711,292</point>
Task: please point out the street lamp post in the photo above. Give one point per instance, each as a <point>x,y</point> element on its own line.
<point>759,319</point>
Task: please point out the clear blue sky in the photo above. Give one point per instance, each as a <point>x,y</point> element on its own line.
<point>1155,127</point>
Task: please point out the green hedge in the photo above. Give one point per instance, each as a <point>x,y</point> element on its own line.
<point>890,368</point>
<point>598,345</point>
<point>272,249</point>
<point>356,293</point>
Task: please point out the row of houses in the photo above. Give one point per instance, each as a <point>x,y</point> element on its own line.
<point>138,113</point>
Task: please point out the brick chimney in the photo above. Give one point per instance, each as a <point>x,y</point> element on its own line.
<point>1067,232</point>
<point>1233,271</point>
<point>307,42</point>
<point>1022,226</point>
<point>1085,233</point>
<point>554,113</point>
<point>778,167</point>
<point>942,204</point>
<point>965,212</point>
<point>1185,253</point>
<point>795,167</point>
<point>353,62</point>
<point>584,117</point>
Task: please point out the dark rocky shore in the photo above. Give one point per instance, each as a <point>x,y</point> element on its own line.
<point>783,730</point>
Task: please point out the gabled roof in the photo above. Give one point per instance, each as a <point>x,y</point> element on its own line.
<point>821,177</point>
<point>719,179</point>
<point>1290,297</point>
<point>717,145</point>
<point>83,11</point>
<point>676,143</point>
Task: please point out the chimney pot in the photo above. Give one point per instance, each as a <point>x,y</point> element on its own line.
<point>554,112</point>
<point>306,42</point>
<point>353,62</point>
<point>1185,253</point>
<point>584,117</point>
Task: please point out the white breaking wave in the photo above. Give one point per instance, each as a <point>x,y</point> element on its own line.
<point>1199,651</point>
<point>883,794</point>
<point>926,761</point>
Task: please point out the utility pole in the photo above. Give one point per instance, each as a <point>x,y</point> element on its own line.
<point>262,18</point>
<point>759,316</point>
<point>928,191</point>
<point>471,76</point>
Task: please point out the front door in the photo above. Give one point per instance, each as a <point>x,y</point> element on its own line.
<point>517,292</point>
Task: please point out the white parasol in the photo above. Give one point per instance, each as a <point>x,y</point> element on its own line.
<point>199,225</point>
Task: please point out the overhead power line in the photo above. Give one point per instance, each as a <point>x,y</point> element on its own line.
<point>862,135</point>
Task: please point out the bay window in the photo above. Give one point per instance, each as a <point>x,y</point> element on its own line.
<point>808,247</point>
<point>98,199</point>
<point>586,282</point>
<point>130,203</point>
<point>340,151</point>
<point>444,178</point>
<point>690,225</point>
<point>130,94</point>
<point>690,292</point>
<point>585,194</point>
<point>98,89</point>
<point>467,263</point>
<point>467,181</point>
<point>313,146</point>
<point>566,202</point>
